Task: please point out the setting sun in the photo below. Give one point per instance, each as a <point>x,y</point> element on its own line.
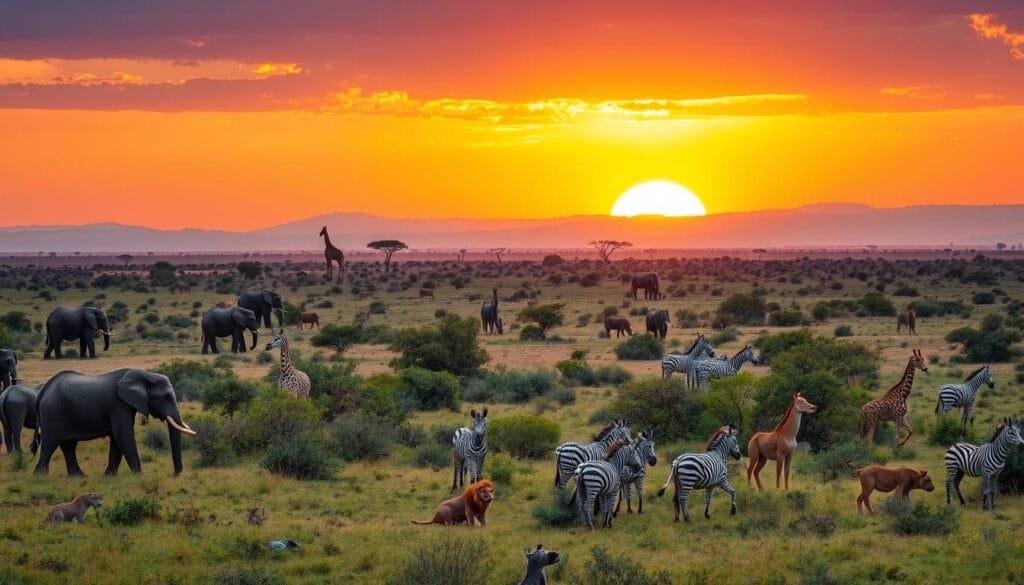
<point>658,198</point>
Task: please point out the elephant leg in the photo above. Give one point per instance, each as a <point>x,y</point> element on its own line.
<point>90,344</point>
<point>15,438</point>
<point>56,349</point>
<point>69,448</point>
<point>130,450</point>
<point>49,347</point>
<point>83,346</point>
<point>8,440</point>
<point>213,344</point>
<point>45,453</point>
<point>113,458</point>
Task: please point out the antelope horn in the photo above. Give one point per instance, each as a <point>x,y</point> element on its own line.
<point>182,427</point>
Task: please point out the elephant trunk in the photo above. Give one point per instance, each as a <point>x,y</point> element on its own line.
<point>106,340</point>
<point>280,317</point>
<point>254,339</point>
<point>175,437</point>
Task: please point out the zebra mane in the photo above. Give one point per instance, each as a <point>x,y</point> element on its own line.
<point>687,352</point>
<point>999,429</point>
<point>973,374</point>
<point>738,353</point>
<point>614,447</point>
<point>715,438</point>
<point>604,432</point>
<point>789,411</point>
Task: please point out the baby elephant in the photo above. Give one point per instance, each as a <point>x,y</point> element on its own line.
<point>75,509</point>
<point>884,479</point>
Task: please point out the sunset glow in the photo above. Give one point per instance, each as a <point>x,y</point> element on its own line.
<point>658,198</point>
<point>184,117</point>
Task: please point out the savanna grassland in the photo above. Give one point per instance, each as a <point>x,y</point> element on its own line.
<point>355,527</point>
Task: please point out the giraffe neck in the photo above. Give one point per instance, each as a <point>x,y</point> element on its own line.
<point>327,241</point>
<point>286,360</point>
<point>902,389</point>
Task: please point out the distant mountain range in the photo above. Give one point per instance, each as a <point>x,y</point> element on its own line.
<point>827,225</point>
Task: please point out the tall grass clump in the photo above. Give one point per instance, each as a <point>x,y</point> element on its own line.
<point>452,560</point>
<point>646,346</point>
<point>604,569</point>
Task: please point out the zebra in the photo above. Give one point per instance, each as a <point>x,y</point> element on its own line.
<point>634,473</point>
<point>684,363</point>
<point>597,482</point>
<point>711,369</point>
<point>962,395</point>
<point>569,455</point>
<point>469,447</point>
<point>986,460</point>
<point>704,470</point>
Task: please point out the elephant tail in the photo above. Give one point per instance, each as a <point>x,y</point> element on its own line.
<point>3,407</point>
<point>35,439</point>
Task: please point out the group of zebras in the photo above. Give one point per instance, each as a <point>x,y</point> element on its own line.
<point>701,366</point>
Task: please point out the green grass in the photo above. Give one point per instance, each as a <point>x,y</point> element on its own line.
<point>356,528</point>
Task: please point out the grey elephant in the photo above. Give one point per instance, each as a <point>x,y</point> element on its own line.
<point>17,412</point>
<point>657,323</point>
<point>73,407</point>
<point>262,303</point>
<point>8,368</point>
<point>233,321</point>
<point>83,324</point>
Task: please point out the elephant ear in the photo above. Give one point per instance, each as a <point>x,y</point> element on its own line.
<point>90,320</point>
<point>268,298</point>
<point>133,388</point>
<point>239,317</point>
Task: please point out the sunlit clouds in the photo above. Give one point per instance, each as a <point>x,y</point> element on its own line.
<point>987,27</point>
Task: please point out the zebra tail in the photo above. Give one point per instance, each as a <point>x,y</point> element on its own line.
<point>576,488</point>
<point>938,404</point>
<point>558,473</point>
<point>671,474</point>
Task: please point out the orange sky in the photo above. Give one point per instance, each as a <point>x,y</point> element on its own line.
<point>243,120</point>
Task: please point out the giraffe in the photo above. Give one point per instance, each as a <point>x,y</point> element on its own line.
<point>291,379</point>
<point>332,254</point>
<point>892,406</point>
<point>779,444</point>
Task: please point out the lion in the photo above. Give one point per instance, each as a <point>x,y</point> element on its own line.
<point>885,479</point>
<point>470,507</point>
<point>75,509</point>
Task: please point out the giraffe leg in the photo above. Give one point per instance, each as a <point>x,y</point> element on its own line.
<point>789,459</point>
<point>778,470</point>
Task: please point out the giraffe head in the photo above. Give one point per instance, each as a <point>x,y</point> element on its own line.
<point>277,341</point>
<point>323,231</point>
<point>918,360</point>
<point>802,405</point>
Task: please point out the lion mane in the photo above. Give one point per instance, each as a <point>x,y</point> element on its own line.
<point>471,507</point>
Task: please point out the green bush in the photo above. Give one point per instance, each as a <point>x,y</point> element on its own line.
<point>276,416</point>
<point>646,346</point>
<point>411,435</point>
<point>432,455</point>
<point>357,436</point>
<point>524,436</point>
<point>948,431</point>
<point>190,377</point>
<point>229,393</point>
<point>512,386</point>
<point>338,337</point>
<point>576,372</point>
<point>556,511</point>
<point>451,560</point>
<point>877,305</point>
<point>613,375</point>
<point>543,316</point>
<point>303,457</point>
<point>214,442</point>
<point>762,517</point>
<point>740,309</point>
<point>844,331</point>
<point>925,309</point>
<point>905,519</point>
<point>375,395</point>
<point>531,333</point>
<point>449,346</point>
<point>501,468</point>
<point>156,439</point>
<point>989,344</point>
<point>249,576</point>
<point>729,333</point>
<point>983,298</point>
<point>1011,480</point>
<point>664,405</point>
<point>132,511</point>
<point>377,308</point>
<point>831,464</point>
<point>423,389</point>
<point>772,345</point>
<point>604,569</point>
<point>786,319</point>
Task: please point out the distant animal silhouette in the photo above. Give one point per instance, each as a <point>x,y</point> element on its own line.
<point>311,318</point>
<point>648,282</point>
<point>489,315</point>
<point>426,292</point>
<point>332,254</point>
<point>619,324</point>
<point>907,318</point>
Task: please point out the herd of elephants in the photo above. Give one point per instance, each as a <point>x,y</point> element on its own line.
<point>72,407</point>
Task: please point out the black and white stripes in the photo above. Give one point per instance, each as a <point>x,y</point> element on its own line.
<point>986,460</point>
<point>571,454</point>
<point>685,362</point>
<point>712,369</point>
<point>704,470</point>
<point>598,482</point>
<point>963,395</point>
<point>469,447</point>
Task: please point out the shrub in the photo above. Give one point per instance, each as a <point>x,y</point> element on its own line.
<point>919,518</point>
<point>844,331</point>
<point>214,442</point>
<point>555,512</point>
<point>835,462</point>
<point>432,455</point>
<point>820,525</point>
<point>576,372</point>
<point>664,405</point>
<point>410,435</point>
<point>762,517</point>
<point>990,344</point>
<point>375,395</point>
<point>276,416</point>
<point>189,377</point>
<point>452,560</point>
<point>531,333</point>
<point>423,389</point>
<point>357,436</point>
<point>1011,480</point>
<point>552,260</point>
<point>377,308</point>
<point>229,393</point>
<point>501,468</point>
<point>524,436</point>
<point>730,333</point>
<point>450,346</point>
<point>786,319</point>
<point>603,569</point>
<point>132,511</point>
<point>512,386</point>
<point>543,316</point>
<point>948,431</point>
<point>613,375</point>
<point>641,347</point>
<point>156,439</point>
<point>983,298</point>
<point>740,309</point>
<point>249,576</point>
<point>302,458</point>
<point>877,305</point>
<point>337,337</point>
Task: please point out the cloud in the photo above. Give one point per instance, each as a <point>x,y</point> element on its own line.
<point>920,92</point>
<point>985,27</point>
<point>399,103</point>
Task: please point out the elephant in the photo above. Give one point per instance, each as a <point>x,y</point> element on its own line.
<point>262,303</point>
<point>82,324</point>
<point>232,321</point>
<point>489,315</point>
<point>17,411</point>
<point>74,407</point>
<point>648,282</point>
<point>8,368</point>
<point>619,324</point>
<point>657,323</point>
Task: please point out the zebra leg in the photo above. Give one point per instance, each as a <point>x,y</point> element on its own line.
<point>727,488</point>
<point>629,498</point>
<point>956,485</point>
<point>588,504</point>
<point>609,505</point>
<point>455,471</point>
<point>684,494</point>
<point>639,495</point>
<point>707,501</point>
<point>968,409</point>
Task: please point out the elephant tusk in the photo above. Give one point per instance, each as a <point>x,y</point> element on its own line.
<point>184,429</point>
<point>106,333</point>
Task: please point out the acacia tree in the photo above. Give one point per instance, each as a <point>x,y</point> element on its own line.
<point>126,258</point>
<point>387,247</point>
<point>606,247</point>
<point>497,252</point>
